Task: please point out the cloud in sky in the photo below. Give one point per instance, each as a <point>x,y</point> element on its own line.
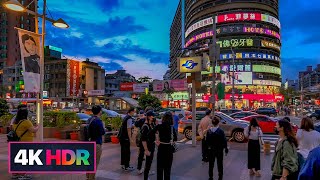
<point>119,34</point>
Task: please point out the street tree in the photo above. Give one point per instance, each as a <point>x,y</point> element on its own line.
<point>288,94</point>
<point>149,100</point>
<point>4,108</point>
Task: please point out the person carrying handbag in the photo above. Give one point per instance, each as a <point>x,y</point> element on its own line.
<point>202,130</point>
<point>254,134</point>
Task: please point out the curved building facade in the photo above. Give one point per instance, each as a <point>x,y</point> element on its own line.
<point>248,33</point>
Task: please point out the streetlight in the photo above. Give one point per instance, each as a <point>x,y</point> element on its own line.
<point>15,5</point>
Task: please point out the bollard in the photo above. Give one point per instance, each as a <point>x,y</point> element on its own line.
<point>266,147</point>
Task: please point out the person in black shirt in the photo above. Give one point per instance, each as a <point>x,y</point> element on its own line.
<point>96,131</point>
<point>164,143</point>
<point>216,143</point>
<point>147,145</point>
<point>125,137</point>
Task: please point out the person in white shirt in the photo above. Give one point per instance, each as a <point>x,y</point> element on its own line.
<point>202,130</point>
<point>253,133</point>
<point>307,137</point>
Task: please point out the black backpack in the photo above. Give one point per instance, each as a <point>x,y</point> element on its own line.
<point>86,129</point>
<point>12,135</point>
<point>123,129</point>
<point>138,137</point>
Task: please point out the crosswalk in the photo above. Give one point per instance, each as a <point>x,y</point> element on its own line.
<point>272,139</point>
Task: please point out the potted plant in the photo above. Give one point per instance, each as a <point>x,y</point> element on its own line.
<point>5,121</point>
<point>49,125</point>
<point>74,135</point>
<point>116,123</point>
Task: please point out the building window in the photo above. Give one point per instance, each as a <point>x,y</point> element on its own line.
<point>21,26</point>
<point>28,21</point>
<point>4,14</point>
<point>21,18</point>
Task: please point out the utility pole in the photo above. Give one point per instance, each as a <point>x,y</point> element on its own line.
<point>214,56</point>
<point>233,103</point>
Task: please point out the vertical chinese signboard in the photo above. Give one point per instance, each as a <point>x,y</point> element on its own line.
<point>73,77</point>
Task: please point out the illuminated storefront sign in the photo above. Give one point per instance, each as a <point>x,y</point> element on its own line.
<point>180,96</point>
<point>190,64</point>
<point>249,55</point>
<point>250,97</point>
<point>269,44</point>
<point>232,17</point>
<point>261,31</point>
<point>198,25</point>
<point>198,37</point>
<point>245,42</point>
<point>266,69</point>
<point>73,77</point>
<point>240,77</point>
<point>267,82</point>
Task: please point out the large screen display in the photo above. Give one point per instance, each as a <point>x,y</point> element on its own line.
<point>232,17</point>
<point>240,77</point>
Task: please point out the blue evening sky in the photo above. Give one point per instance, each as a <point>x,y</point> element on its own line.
<point>134,34</point>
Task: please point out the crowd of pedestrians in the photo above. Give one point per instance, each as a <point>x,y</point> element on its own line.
<point>296,157</point>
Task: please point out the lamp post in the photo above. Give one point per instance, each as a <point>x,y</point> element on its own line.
<point>15,5</point>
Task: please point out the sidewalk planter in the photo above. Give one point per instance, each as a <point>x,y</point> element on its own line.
<point>114,139</point>
<point>2,130</point>
<point>49,132</point>
<point>74,136</point>
<point>57,134</point>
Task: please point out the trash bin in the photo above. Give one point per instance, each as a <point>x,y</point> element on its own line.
<point>266,147</point>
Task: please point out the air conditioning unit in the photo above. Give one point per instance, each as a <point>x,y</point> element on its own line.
<point>260,76</point>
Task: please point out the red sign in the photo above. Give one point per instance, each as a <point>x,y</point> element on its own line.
<point>251,97</point>
<point>74,78</point>
<point>126,86</point>
<point>179,84</point>
<point>241,16</point>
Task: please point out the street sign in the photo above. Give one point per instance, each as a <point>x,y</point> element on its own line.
<point>190,64</point>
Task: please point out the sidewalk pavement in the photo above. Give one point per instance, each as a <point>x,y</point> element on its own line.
<point>187,165</point>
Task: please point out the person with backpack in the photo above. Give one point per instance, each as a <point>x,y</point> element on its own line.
<point>217,143</point>
<point>95,132</point>
<point>147,145</point>
<point>125,137</point>
<point>285,164</point>
<point>22,131</point>
<point>253,132</point>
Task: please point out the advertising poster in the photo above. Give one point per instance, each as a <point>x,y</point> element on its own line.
<point>30,57</point>
<point>140,87</point>
<point>126,86</point>
<point>179,84</point>
<point>240,77</point>
<point>73,77</point>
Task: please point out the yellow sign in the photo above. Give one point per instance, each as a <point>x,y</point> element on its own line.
<point>236,43</point>
<point>190,64</point>
<point>270,44</point>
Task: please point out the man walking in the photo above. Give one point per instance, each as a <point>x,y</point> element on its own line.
<point>125,137</point>
<point>202,130</point>
<point>96,131</point>
<point>217,142</point>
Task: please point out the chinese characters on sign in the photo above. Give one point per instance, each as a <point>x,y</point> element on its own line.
<point>269,44</point>
<point>235,43</point>
<point>238,67</point>
<point>249,55</point>
<point>198,25</point>
<point>266,69</point>
<point>261,31</point>
<point>198,37</point>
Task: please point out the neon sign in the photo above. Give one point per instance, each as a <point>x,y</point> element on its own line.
<point>236,42</point>
<point>198,37</point>
<point>232,17</point>
<point>261,31</point>
<point>249,55</point>
<point>269,44</point>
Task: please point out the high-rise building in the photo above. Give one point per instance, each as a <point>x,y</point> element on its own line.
<point>10,60</point>
<point>248,32</point>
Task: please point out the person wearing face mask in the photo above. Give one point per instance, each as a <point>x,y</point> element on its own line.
<point>147,145</point>
<point>285,161</point>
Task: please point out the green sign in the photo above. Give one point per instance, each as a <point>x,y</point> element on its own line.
<point>266,69</point>
<point>210,72</point>
<point>180,96</point>
<point>55,48</point>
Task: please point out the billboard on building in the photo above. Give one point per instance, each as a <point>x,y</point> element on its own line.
<point>175,85</point>
<point>140,87</point>
<point>96,92</point>
<point>73,78</point>
<point>126,86</point>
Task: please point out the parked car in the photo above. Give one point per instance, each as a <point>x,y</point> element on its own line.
<point>267,111</point>
<point>242,114</point>
<point>232,128</point>
<point>230,111</point>
<point>315,115</point>
<point>83,117</point>
<point>267,123</point>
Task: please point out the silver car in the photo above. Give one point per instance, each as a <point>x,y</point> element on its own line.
<point>231,127</point>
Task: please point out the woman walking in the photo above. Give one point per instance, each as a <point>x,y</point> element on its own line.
<point>285,160</point>
<point>166,136</point>
<point>308,138</point>
<point>253,133</point>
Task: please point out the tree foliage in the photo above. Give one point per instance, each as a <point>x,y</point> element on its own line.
<point>4,108</point>
<point>149,100</point>
<point>288,94</point>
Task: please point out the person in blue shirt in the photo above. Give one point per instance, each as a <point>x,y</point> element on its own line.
<point>311,167</point>
<point>96,131</point>
<point>175,121</point>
